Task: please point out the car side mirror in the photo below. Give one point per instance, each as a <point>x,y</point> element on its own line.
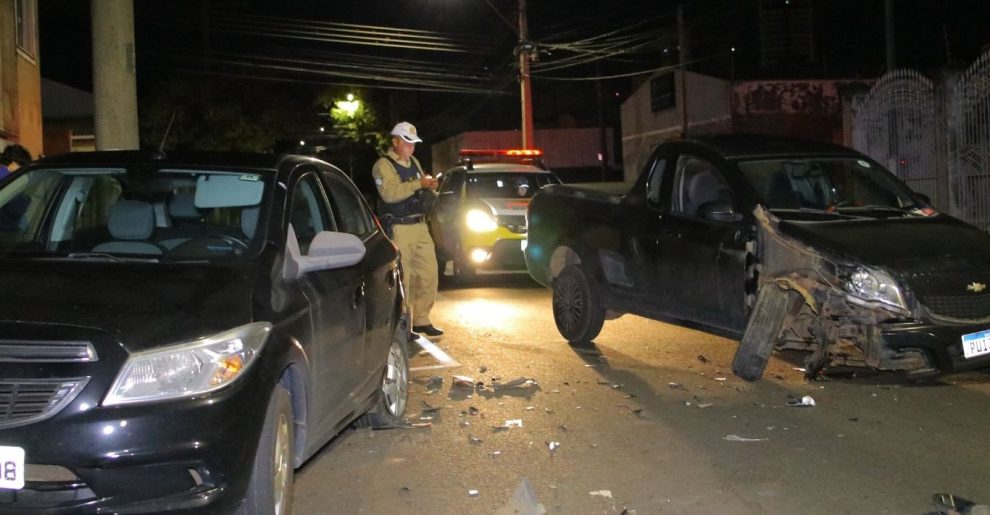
<point>719,211</point>
<point>328,250</point>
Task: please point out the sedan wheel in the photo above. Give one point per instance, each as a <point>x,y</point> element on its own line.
<point>395,384</point>
<point>577,306</point>
<point>394,391</point>
<point>270,490</point>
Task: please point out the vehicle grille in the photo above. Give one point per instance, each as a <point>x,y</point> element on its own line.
<point>958,306</point>
<point>949,293</point>
<point>28,401</point>
<point>514,223</point>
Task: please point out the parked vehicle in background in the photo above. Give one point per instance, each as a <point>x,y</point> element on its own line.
<point>179,332</point>
<point>479,222</point>
<point>781,243</point>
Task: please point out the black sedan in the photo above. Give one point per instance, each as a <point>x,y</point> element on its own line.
<point>178,333</point>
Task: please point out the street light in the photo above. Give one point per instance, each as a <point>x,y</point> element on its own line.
<point>348,107</point>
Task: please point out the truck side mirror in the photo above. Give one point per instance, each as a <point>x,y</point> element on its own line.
<point>719,211</point>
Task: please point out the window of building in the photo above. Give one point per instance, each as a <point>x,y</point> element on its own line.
<point>26,19</point>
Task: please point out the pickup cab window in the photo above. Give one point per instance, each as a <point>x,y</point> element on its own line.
<point>655,180</point>
<point>696,183</point>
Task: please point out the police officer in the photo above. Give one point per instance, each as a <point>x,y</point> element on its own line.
<point>401,185</point>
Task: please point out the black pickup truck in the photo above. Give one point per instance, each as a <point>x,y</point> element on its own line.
<point>780,243</point>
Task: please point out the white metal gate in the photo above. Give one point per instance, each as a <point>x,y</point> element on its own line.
<point>896,124</point>
<point>969,145</point>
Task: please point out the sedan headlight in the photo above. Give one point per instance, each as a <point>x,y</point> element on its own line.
<point>190,368</point>
<point>867,285</point>
<point>480,221</point>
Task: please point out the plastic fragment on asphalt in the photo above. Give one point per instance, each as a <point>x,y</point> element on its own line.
<point>427,407</point>
<point>804,402</point>
<point>519,382</point>
<point>676,386</point>
<point>474,439</point>
<point>523,501</point>
<point>516,422</point>
<point>737,438</point>
<point>720,379</point>
<point>553,446</point>
<point>601,493</point>
<point>704,404</point>
<point>433,384</point>
<point>462,381</point>
<point>473,493</point>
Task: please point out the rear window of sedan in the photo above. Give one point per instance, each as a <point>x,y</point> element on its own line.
<point>114,211</point>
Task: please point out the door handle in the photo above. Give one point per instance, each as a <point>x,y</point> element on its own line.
<point>358,296</point>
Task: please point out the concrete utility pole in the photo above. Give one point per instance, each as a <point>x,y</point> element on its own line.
<point>525,91</point>
<point>682,53</point>
<point>114,82</point>
<point>889,28</point>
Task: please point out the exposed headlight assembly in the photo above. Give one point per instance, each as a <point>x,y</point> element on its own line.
<point>480,221</point>
<point>867,285</point>
<point>188,369</point>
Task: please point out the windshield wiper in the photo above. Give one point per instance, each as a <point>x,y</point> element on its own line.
<point>110,257</point>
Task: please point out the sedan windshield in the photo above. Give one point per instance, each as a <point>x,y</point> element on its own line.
<point>828,184</point>
<point>507,185</point>
<point>113,213</point>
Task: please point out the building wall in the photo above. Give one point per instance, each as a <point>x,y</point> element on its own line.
<point>708,111</point>
<point>810,109</point>
<point>20,89</point>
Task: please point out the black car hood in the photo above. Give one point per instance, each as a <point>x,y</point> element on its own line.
<point>142,305</point>
<point>890,242</point>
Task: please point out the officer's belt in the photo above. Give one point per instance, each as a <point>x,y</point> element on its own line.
<point>411,219</point>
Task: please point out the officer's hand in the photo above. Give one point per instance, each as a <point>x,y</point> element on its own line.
<point>428,182</point>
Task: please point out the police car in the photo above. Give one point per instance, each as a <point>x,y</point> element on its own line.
<point>479,222</point>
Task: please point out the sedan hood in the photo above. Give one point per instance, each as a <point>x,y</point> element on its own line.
<point>141,305</point>
<point>889,242</point>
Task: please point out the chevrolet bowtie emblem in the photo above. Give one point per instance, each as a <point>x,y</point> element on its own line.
<point>975,287</point>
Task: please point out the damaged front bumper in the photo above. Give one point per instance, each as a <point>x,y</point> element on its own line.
<point>919,348</point>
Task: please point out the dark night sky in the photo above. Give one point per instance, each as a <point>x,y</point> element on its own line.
<point>292,41</point>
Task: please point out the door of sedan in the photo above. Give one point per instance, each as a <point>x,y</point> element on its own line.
<point>337,312</point>
<point>702,248</point>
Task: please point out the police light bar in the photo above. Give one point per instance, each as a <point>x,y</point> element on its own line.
<point>515,152</point>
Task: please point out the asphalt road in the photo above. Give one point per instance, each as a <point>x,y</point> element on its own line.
<point>649,420</point>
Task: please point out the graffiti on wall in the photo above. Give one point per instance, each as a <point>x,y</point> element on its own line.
<point>817,97</point>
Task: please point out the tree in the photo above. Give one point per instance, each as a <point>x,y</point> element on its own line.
<point>224,114</point>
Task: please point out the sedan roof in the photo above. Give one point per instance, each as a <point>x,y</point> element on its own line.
<point>141,158</point>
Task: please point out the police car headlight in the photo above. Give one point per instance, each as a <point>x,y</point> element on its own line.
<point>480,221</point>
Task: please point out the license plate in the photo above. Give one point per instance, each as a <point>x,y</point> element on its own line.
<point>11,467</point>
<point>976,344</point>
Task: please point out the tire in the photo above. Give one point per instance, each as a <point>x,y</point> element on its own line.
<point>270,489</point>
<point>393,393</point>
<point>577,306</point>
<point>463,271</point>
<point>773,303</point>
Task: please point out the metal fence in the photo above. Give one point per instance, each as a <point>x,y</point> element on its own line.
<point>934,135</point>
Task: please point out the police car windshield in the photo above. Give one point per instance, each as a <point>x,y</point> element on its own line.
<point>507,185</point>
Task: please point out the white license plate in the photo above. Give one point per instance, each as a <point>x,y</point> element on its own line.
<point>11,467</point>
<point>976,344</point>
